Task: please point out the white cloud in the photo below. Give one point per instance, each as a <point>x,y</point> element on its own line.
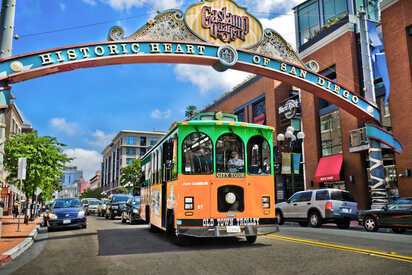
<point>207,79</point>
<point>128,4</point>
<point>284,25</point>
<point>101,139</point>
<point>62,6</point>
<point>157,114</point>
<point>62,125</point>
<point>86,160</point>
<point>268,6</point>
<point>90,2</point>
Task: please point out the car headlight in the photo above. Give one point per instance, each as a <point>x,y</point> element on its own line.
<point>52,216</point>
<point>80,214</point>
<point>135,211</point>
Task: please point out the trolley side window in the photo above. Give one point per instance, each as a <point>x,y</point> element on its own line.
<point>230,154</point>
<point>197,157</point>
<point>258,154</point>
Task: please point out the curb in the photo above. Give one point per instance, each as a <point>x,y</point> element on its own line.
<point>20,248</point>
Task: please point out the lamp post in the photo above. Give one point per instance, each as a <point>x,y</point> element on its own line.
<point>292,140</point>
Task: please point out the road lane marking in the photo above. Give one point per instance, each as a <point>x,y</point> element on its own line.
<point>347,248</point>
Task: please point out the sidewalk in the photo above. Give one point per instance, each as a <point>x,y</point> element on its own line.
<point>12,241</point>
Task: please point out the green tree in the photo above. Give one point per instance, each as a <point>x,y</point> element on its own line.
<point>132,174</point>
<point>45,162</point>
<point>88,193</point>
<point>190,111</point>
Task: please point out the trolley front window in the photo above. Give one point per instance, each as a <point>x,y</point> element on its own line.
<point>197,154</point>
<point>230,154</point>
<point>258,153</point>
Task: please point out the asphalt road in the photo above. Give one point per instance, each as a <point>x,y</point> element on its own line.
<point>110,247</point>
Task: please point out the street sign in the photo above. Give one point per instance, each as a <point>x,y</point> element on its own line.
<point>21,173</point>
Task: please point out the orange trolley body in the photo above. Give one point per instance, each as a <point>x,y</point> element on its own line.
<point>211,177</point>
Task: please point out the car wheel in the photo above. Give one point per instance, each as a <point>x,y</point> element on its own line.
<point>303,224</point>
<point>398,230</point>
<point>123,219</point>
<point>314,219</point>
<point>370,224</point>
<point>111,217</point>
<point>279,217</point>
<point>251,239</point>
<point>343,225</point>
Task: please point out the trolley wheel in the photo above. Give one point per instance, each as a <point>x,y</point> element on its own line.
<point>251,239</point>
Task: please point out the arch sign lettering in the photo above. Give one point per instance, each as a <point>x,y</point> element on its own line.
<point>216,33</point>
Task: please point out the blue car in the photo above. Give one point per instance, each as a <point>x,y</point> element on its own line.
<point>66,212</point>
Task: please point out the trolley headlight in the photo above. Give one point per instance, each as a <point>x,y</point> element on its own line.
<point>266,202</point>
<point>189,203</point>
<point>230,198</point>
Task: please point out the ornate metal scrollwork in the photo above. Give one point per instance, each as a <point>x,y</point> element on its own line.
<point>115,33</point>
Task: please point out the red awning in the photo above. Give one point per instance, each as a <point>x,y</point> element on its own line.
<point>329,168</point>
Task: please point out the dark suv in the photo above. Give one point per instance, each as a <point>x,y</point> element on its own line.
<point>315,207</point>
<point>115,205</point>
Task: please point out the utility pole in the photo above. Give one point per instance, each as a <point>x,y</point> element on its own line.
<point>377,173</point>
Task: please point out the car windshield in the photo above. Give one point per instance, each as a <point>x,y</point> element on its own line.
<point>94,202</point>
<point>67,203</point>
<point>342,196</point>
<point>120,198</point>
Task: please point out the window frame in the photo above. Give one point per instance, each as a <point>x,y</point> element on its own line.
<point>242,146</point>
<point>250,156</point>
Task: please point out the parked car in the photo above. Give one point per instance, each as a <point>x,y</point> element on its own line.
<point>397,215</point>
<point>92,207</point>
<point>315,207</point>
<point>101,209</point>
<point>66,212</point>
<point>115,205</point>
<point>131,212</point>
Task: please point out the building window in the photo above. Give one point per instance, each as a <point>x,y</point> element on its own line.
<point>129,161</point>
<point>331,136</point>
<point>308,17</point>
<point>142,151</point>
<point>241,115</point>
<point>12,125</point>
<point>153,140</point>
<point>131,140</point>
<point>259,112</point>
<point>130,151</point>
<point>333,9</point>
<point>142,141</point>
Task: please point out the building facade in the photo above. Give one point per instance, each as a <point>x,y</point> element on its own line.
<point>71,181</point>
<point>126,146</point>
<point>95,181</point>
<point>327,34</point>
<point>13,125</point>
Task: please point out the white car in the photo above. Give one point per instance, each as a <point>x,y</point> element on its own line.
<point>315,207</point>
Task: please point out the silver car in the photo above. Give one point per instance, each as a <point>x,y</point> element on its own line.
<point>318,206</point>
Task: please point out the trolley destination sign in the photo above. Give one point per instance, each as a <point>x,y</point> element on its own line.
<point>24,67</point>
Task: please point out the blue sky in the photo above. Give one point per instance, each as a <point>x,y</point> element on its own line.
<point>86,108</point>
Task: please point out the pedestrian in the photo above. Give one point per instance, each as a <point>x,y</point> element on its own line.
<point>15,209</point>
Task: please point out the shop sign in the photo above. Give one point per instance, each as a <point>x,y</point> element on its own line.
<point>224,22</point>
<point>289,109</point>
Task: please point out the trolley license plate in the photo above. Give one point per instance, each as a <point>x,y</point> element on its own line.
<point>233,229</point>
<point>66,221</point>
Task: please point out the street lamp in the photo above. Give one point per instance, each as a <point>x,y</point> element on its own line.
<point>292,141</point>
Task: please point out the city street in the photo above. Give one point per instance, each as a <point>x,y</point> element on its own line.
<point>110,247</point>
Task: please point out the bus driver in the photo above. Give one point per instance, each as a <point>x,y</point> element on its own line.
<point>235,164</point>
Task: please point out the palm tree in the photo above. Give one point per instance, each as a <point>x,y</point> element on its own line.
<point>190,111</point>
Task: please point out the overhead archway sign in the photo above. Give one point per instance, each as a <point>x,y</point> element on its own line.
<point>210,33</point>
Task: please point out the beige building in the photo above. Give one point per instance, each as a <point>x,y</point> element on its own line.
<point>13,124</point>
<point>95,181</point>
<point>126,146</point>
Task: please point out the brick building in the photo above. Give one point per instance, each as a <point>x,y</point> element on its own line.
<point>327,32</point>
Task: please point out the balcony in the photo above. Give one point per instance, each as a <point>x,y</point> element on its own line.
<point>358,140</point>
